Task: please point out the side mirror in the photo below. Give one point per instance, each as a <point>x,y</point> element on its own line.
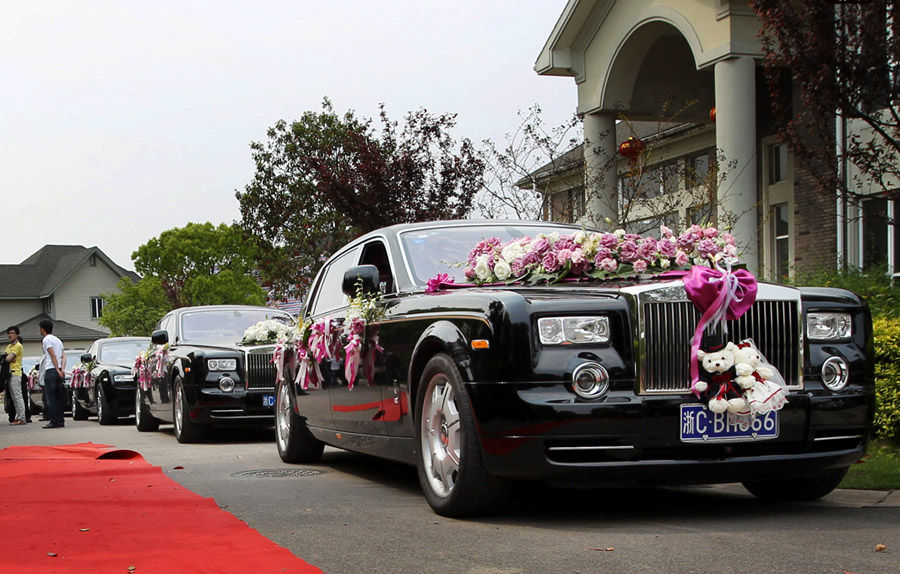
<point>159,337</point>
<point>361,275</point>
<point>87,358</point>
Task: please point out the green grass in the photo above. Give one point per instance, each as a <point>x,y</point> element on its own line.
<point>878,470</point>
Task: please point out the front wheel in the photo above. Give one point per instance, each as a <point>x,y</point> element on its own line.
<point>797,489</point>
<point>450,465</point>
<point>143,420</point>
<point>105,415</point>
<point>186,430</point>
<point>295,442</point>
<point>79,413</point>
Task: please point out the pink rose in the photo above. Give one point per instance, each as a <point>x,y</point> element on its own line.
<point>549,262</point>
<point>609,240</point>
<point>681,258</point>
<point>563,256</point>
<point>640,266</point>
<point>707,247</point>
<point>729,238</point>
<point>667,248</point>
<point>608,265</point>
<point>665,231</point>
<point>628,251</point>
<point>710,232</point>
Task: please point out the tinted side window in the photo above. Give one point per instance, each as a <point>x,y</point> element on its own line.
<point>329,295</point>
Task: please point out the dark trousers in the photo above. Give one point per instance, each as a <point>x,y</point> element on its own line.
<point>56,396</point>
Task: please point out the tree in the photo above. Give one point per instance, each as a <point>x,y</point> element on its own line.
<point>531,153</point>
<point>326,178</point>
<point>136,308</point>
<point>200,264</point>
<point>842,57</point>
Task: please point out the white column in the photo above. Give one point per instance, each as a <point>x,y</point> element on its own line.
<point>600,180</point>
<point>736,140</point>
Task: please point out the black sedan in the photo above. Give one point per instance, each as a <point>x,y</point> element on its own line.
<point>200,373</point>
<point>565,355</point>
<point>103,384</point>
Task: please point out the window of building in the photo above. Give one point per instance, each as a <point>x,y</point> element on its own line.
<point>567,206</point>
<point>781,241</point>
<point>705,214</point>
<point>93,260</point>
<point>778,163</point>
<point>96,307</point>
<point>650,225</point>
<point>880,240</point>
<point>699,173</point>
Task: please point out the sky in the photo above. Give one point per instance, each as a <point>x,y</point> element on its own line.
<point>121,119</point>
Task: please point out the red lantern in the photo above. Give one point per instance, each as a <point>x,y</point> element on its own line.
<point>632,148</point>
<point>712,115</point>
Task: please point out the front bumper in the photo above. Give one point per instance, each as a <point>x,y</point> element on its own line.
<point>541,431</point>
<point>240,406</point>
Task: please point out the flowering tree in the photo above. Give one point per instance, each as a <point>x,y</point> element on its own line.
<point>327,178</point>
<point>841,57</point>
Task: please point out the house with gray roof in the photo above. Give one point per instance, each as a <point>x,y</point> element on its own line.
<point>63,283</point>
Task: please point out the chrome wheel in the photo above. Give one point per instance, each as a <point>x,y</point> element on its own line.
<point>441,435</point>
<point>179,410</point>
<point>100,399</point>
<point>137,407</point>
<point>283,419</point>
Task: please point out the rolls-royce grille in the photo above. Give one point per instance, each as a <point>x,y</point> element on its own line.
<point>669,328</point>
<point>260,371</point>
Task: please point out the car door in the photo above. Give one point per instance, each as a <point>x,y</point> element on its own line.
<point>353,410</point>
<point>160,396</point>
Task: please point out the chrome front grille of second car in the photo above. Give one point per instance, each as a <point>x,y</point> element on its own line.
<point>668,328</point>
<point>260,370</point>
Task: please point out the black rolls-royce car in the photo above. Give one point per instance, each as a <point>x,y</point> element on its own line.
<point>563,370</point>
<point>201,374</point>
<point>106,388</point>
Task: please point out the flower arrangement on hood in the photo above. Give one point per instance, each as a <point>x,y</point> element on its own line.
<point>594,255</point>
<point>267,331</point>
<point>81,375</point>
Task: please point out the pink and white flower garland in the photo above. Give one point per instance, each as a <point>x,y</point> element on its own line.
<point>81,377</point>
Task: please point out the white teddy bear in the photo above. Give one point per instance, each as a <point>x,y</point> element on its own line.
<point>717,384</point>
<point>760,383</point>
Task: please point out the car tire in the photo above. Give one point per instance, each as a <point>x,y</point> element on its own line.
<point>450,464</point>
<point>143,420</point>
<point>797,489</point>
<point>79,413</point>
<point>186,430</point>
<point>105,415</point>
<point>295,442</point>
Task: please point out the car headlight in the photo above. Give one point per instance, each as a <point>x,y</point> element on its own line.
<point>568,330</point>
<point>222,364</point>
<point>828,326</point>
<point>123,378</point>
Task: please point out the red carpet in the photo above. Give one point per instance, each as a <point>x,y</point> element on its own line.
<point>89,508</point>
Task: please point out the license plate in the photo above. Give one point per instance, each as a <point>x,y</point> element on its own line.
<point>698,424</point>
<point>268,400</point>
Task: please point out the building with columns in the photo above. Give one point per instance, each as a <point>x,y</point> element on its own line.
<point>686,77</point>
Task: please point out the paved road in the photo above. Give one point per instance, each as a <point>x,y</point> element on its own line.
<point>354,514</point>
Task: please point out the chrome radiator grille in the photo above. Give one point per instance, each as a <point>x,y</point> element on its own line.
<point>668,328</point>
<point>260,371</point>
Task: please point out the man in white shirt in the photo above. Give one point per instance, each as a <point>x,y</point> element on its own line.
<point>54,375</point>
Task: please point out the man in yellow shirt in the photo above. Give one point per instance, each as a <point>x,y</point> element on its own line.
<point>13,356</point>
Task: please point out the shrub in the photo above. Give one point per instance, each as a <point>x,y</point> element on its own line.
<point>887,377</point>
<point>874,286</point>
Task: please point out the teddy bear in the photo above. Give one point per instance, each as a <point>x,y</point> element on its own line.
<point>760,383</point>
<point>716,384</point>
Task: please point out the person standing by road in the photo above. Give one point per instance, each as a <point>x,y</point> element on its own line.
<point>54,376</point>
<point>13,356</point>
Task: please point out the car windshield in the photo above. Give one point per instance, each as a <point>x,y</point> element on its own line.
<point>226,325</point>
<point>121,352</point>
<point>73,357</point>
<point>444,249</point>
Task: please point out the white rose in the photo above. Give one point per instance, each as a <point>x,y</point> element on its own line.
<point>482,271</point>
<point>502,270</point>
<point>553,237</point>
<point>664,263</point>
<point>512,251</point>
<point>620,233</point>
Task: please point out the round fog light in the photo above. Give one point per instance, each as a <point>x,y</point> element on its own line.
<point>835,373</point>
<point>226,384</point>
<point>590,380</point>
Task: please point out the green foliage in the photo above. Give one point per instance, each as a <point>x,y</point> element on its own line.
<point>873,285</point>
<point>327,178</point>
<point>878,470</point>
<point>887,377</point>
<point>136,308</point>
<point>200,264</point>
